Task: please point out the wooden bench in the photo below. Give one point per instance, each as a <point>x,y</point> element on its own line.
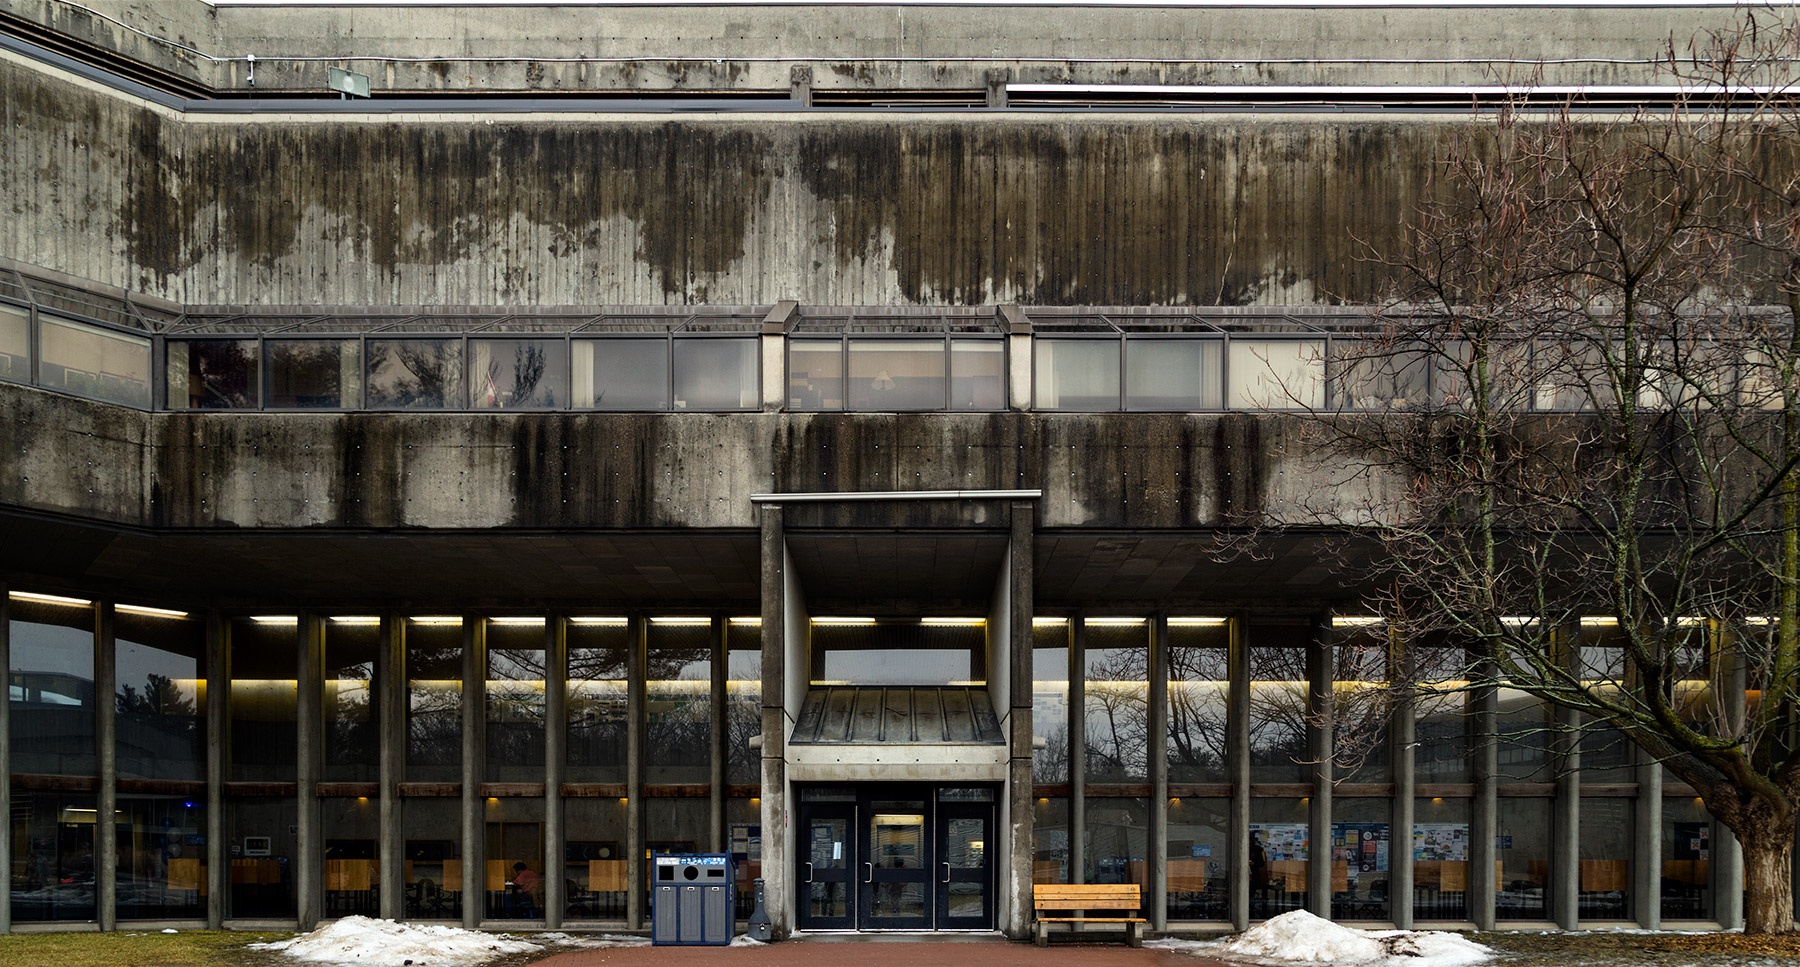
<point>1086,897</point>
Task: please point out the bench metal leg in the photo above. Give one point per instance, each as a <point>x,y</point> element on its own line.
<point>1042,940</point>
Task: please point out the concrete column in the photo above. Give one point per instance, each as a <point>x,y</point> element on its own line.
<point>474,743</point>
<point>1565,754</point>
<point>1646,854</point>
<point>1318,677</point>
<point>1402,667</point>
<point>997,80</point>
<point>1015,890</point>
<point>1237,766</point>
<point>1157,864</point>
<point>6,760</point>
<point>309,879</point>
<point>1727,855</point>
<point>634,777</point>
<point>106,802</point>
<point>1078,748</point>
<point>716,766</point>
<point>556,732</point>
<point>1484,819</point>
<point>800,85</point>
<point>777,897</point>
<point>218,759</point>
<point>390,684</point>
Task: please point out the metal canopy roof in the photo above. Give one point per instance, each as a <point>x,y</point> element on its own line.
<point>897,715</point>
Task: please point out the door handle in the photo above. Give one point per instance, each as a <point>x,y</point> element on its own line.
<point>869,873</point>
<point>946,872</point>
<point>809,875</point>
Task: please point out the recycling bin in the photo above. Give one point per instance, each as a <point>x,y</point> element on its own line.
<point>690,899</point>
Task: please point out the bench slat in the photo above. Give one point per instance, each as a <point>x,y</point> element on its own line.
<point>1093,919</point>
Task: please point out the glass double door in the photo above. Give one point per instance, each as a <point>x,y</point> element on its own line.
<point>888,857</point>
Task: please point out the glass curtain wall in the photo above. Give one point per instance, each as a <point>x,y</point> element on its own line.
<point>514,886</point>
<point>1199,858</point>
<point>678,701</point>
<point>515,701</point>
<point>264,702</point>
<point>1441,712</point>
<point>1279,716</point>
<point>594,870</point>
<point>1050,701</point>
<point>1280,849</point>
<point>743,700</point>
<point>1687,838</point>
<point>160,667</point>
<point>1524,845</point>
<point>1361,700</point>
<point>1199,685</point>
<point>434,699</point>
<point>599,666</point>
<point>263,848</point>
<point>1050,840</point>
<point>53,856</point>
<point>1117,841</point>
<point>1606,830</point>
<point>433,869</point>
<point>351,701</point>
<point>1440,855</point>
<point>352,857</point>
<point>1362,859</point>
<point>1117,697</point>
<point>161,868</point>
<point>51,687</point>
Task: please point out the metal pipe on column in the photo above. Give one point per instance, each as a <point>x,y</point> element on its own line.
<point>1015,918</point>
<point>1565,754</point>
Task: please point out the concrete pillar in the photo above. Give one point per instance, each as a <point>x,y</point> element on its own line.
<point>1237,765</point>
<point>800,84</point>
<point>106,801</point>
<point>1732,678</point>
<point>778,899</point>
<point>309,879</point>
<point>1565,754</point>
<point>218,759</point>
<point>1157,863</point>
<point>1484,819</point>
<point>1078,748</point>
<point>1403,668</point>
<point>1015,891</point>
<point>390,684</point>
<point>556,732</point>
<point>6,760</point>
<point>997,80</point>
<point>634,777</point>
<point>716,766</point>
<point>1646,853</point>
<point>474,742</point>
<point>1319,676</point>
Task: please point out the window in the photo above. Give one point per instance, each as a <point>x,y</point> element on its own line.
<point>622,374</point>
<point>312,374</point>
<point>1077,374</point>
<point>896,374</point>
<point>423,374</point>
<point>519,374</point>
<point>93,362</point>
<point>1173,374</point>
<point>716,374</point>
<point>213,374</point>
<point>1276,374</point>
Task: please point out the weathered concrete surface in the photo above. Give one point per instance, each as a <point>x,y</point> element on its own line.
<point>746,47</point>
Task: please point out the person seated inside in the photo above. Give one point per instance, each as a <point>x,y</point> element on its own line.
<point>524,887</point>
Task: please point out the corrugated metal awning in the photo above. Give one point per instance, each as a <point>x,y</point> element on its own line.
<point>897,715</point>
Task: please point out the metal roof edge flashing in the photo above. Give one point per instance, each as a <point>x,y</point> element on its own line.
<point>872,495</point>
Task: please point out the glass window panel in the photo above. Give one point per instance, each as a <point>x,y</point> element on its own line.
<point>261,833</point>
<point>264,700</point>
<point>815,374</point>
<point>53,857</point>
<point>1116,702</point>
<point>93,362</point>
<point>515,701</point>
<point>162,858</point>
<point>1118,841</point>
<point>425,374</point>
<point>1571,376</point>
<point>352,702</point>
<point>1760,382</point>
<point>515,860</point>
<point>309,374</point>
<point>519,374</point>
<point>743,698</point>
<point>977,374</point>
<point>1360,700</point>
<point>1199,859</point>
<point>213,374</point>
<point>1361,858</point>
<point>434,650</point>
<point>716,374</point>
<point>51,687</point>
<point>160,664</point>
<point>1076,374</point>
<point>622,374</point>
<point>1050,702</point>
<point>744,841</point>
<point>1199,683</point>
<point>675,826</point>
<point>15,343</point>
<point>352,857</point>
<point>1523,725</point>
<point>1606,755</point>
<point>1441,713</point>
<point>1377,376</point>
<point>1279,718</point>
<point>1606,830</point>
<point>1687,840</point>
<point>898,653</point>
<point>678,703</point>
<point>1050,841</point>
<point>1173,374</point>
<point>433,868</point>
<point>1280,848</point>
<point>594,870</point>
<point>1440,855</point>
<point>599,666</point>
<point>896,374</point>
<point>1523,845</point>
<point>1276,374</point>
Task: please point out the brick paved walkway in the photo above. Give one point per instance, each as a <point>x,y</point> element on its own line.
<point>835,952</point>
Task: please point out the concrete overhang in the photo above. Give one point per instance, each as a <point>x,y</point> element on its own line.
<point>962,762</point>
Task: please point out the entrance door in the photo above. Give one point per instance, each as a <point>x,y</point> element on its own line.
<point>827,865</point>
<point>896,889</point>
<point>965,848</point>
<point>885,856</point>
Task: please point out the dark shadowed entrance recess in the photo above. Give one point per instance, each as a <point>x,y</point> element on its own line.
<point>896,856</point>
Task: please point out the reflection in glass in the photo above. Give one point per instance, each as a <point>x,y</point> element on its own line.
<point>898,653</point>
<point>1361,857</point>
<point>1523,845</point>
<point>1280,848</point>
<point>434,699</point>
<point>264,700</point>
<point>896,842</point>
<point>1050,702</point>
<point>51,687</point>
<point>15,343</point>
<point>593,862</point>
<point>352,857</point>
<point>162,858</point>
<point>1077,374</point>
<point>1116,701</point>
<point>1606,755</point>
<point>1174,374</point>
<point>1050,840</point>
<point>743,700</point>
<point>515,859</point>
<point>1441,713</point>
<point>351,703</point>
<point>1360,701</point>
<point>815,374</point>
<point>599,660</point>
<point>1523,726</point>
<point>977,374</point>
<point>160,664</point>
<point>261,833</point>
<point>744,840</point>
<point>1440,854</point>
<point>1276,374</point>
<point>93,362</point>
<point>519,374</point>
<point>424,374</point>
<point>515,700</point>
<point>716,374</point>
<point>622,374</point>
<point>433,867</point>
<point>678,702</point>
<point>896,374</point>
<point>1199,859</point>
<point>1199,682</point>
<point>1117,844</point>
<point>53,857</point>
<point>1606,830</point>
<point>1687,839</point>
<point>1278,703</point>
<point>212,374</point>
<point>1377,376</point>
<point>675,826</point>
<point>314,373</point>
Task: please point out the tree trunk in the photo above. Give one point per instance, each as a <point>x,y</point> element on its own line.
<point>1768,879</point>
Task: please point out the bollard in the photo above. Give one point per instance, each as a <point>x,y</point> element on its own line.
<point>759,917</point>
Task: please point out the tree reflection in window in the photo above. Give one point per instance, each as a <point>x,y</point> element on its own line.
<point>1116,708</point>
<point>1278,703</point>
<point>415,373</point>
<point>1199,682</point>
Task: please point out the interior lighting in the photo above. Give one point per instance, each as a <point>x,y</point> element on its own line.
<point>1113,622</point>
<point>605,622</point>
<point>1198,622</point>
<point>275,619</point>
<point>1517,621</point>
<point>520,621</point>
<point>952,622</point>
<point>1355,620</point>
<point>436,619</point>
<point>354,619</point>
<point>747,622</point>
<point>1759,620</point>
<point>843,622</point>
<point>684,621</point>
<point>1048,622</point>
<point>48,598</point>
<point>150,612</point>
<point>1598,621</point>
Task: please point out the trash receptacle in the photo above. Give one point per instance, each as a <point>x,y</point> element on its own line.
<point>690,899</point>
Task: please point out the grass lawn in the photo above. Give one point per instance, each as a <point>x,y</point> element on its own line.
<point>128,948</point>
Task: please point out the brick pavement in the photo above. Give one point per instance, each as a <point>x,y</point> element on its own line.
<point>881,953</point>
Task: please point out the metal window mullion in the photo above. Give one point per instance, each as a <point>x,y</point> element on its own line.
<point>1121,344</point>
<point>947,369</point>
<point>568,372</point>
<point>844,372</point>
<point>669,378</point>
<point>468,380</point>
<point>1225,373</point>
<point>264,371</point>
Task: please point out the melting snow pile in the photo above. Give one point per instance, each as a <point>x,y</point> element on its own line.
<point>384,943</point>
<point>1300,937</point>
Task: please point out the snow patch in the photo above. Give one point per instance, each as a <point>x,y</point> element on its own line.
<point>1300,937</point>
<point>385,943</point>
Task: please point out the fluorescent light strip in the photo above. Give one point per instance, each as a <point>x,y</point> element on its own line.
<point>688,621</point>
<point>520,621</point>
<point>435,619</point>
<point>354,619</point>
<point>1198,622</point>
<point>48,598</point>
<point>1599,621</point>
<point>148,611</point>
<point>1355,620</point>
<point>1048,622</point>
<point>606,622</point>
<point>952,622</point>
<point>1113,622</point>
<point>275,619</point>
<point>843,622</point>
<point>747,622</point>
